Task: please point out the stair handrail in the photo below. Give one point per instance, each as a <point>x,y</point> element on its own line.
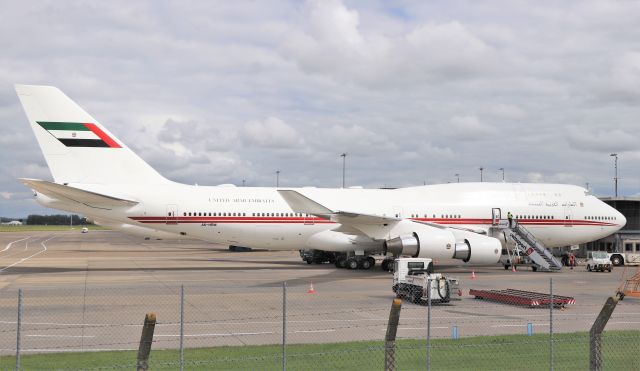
<point>538,246</point>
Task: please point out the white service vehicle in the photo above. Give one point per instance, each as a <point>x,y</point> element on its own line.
<point>598,261</point>
<point>413,278</point>
<point>628,254</point>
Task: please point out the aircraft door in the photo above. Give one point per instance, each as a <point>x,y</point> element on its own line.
<point>171,217</point>
<point>568,215</point>
<point>496,215</point>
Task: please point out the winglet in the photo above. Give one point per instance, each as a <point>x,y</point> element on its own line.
<point>303,204</point>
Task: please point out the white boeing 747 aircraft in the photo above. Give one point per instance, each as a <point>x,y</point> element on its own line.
<point>96,174</point>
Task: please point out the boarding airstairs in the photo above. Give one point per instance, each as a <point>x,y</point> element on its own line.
<point>528,245</point>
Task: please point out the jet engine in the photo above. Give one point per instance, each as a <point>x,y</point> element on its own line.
<point>425,241</point>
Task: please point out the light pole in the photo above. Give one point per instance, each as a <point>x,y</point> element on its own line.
<point>481,169</point>
<point>457,176</point>
<point>277,178</point>
<point>243,182</point>
<point>502,173</point>
<point>344,161</point>
<point>615,165</point>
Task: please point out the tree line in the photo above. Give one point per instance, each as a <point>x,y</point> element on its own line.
<point>58,219</point>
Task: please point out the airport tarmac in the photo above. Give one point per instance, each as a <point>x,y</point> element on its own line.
<point>91,291</point>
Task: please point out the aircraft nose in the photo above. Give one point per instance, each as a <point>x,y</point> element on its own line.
<point>622,221</point>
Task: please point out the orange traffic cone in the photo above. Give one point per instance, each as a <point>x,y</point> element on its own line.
<point>473,275</point>
<point>311,289</point>
<point>513,268</point>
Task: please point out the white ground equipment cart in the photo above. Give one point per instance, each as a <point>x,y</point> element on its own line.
<point>598,261</point>
<point>413,279</point>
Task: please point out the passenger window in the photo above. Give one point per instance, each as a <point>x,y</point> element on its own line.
<point>628,247</point>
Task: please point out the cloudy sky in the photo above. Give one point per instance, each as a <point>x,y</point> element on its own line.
<point>414,91</point>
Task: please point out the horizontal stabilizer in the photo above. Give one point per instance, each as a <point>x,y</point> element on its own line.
<point>67,193</point>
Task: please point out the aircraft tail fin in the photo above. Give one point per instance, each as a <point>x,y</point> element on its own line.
<point>77,148</point>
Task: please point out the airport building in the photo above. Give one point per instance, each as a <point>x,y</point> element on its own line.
<point>626,240</point>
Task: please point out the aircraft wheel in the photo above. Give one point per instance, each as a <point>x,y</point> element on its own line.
<point>385,265</point>
<point>365,263</point>
<point>308,261</point>
<point>372,260</point>
<point>352,263</point>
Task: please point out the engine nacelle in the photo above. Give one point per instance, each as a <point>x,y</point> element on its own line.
<point>481,249</point>
<point>424,241</point>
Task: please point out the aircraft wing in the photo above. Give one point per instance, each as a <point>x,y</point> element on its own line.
<point>369,225</point>
<point>300,203</point>
<point>77,195</point>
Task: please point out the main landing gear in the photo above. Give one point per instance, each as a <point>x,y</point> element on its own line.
<point>355,261</point>
<point>387,264</point>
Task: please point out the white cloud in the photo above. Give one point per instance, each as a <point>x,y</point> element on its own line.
<point>468,127</point>
<point>624,80</point>
<point>334,45</point>
<point>602,139</point>
<point>270,133</point>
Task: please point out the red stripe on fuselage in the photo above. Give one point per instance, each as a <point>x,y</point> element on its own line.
<point>294,220</point>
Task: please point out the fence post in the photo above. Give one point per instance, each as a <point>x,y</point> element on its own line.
<point>181,327</point>
<point>146,339</point>
<point>595,339</point>
<point>429,324</point>
<point>390,337</point>
<point>284,326</point>
<point>18,329</point>
<point>551,323</point>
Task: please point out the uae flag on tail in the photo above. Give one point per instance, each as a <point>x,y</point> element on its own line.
<point>76,134</point>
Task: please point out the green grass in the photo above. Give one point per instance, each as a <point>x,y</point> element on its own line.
<point>35,228</point>
<point>512,352</point>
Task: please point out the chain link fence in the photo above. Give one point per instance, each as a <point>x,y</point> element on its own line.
<point>293,327</point>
